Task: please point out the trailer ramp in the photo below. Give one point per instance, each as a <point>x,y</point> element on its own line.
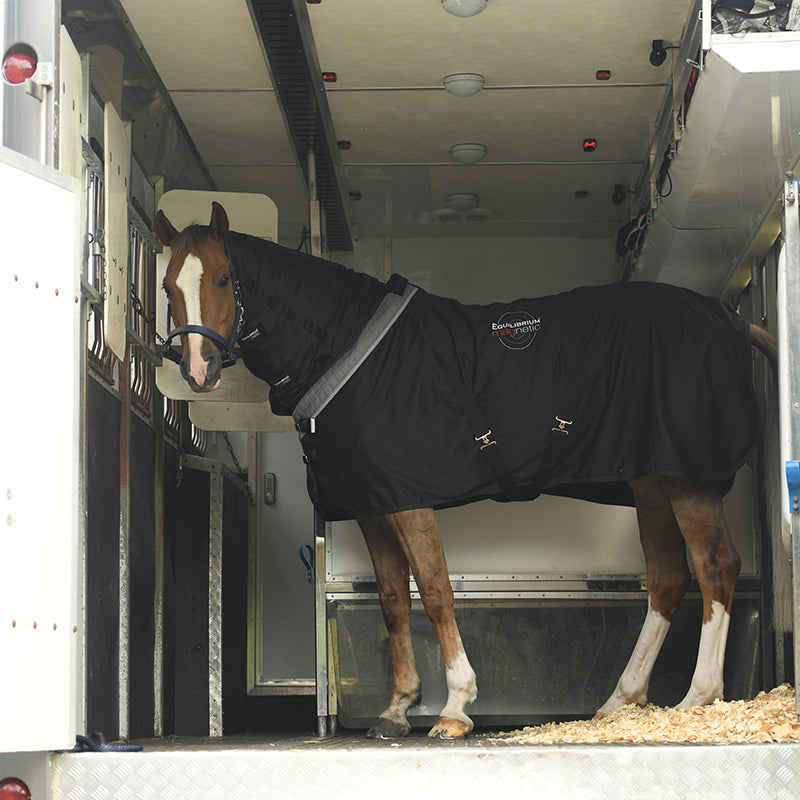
<point>349,766</point>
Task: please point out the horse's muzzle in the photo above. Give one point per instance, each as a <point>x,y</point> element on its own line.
<point>206,378</point>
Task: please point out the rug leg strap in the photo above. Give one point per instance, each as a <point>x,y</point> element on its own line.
<point>489,447</point>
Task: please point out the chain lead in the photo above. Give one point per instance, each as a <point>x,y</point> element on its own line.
<point>138,307</point>
<point>242,472</point>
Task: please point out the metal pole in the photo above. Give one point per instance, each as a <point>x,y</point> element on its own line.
<point>80,702</point>
<point>320,526</point>
<point>314,207</point>
<point>158,594</point>
<point>321,620</point>
<point>255,645</point>
<point>215,605</point>
<point>124,543</point>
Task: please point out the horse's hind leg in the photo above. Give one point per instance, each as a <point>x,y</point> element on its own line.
<point>391,572</point>
<point>418,534</point>
<point>699,512</point>
<point>667,580</point>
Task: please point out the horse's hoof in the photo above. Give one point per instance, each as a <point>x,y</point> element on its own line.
<point>387,729</point>
<point>449,728</point>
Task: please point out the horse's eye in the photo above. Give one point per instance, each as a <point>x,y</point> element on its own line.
<point>224,281</point>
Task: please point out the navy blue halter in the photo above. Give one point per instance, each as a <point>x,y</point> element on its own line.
<point>226,345</point>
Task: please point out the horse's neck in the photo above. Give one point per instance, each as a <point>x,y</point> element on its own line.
<point>300,312</point>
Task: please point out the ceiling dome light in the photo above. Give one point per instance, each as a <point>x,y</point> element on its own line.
<point>464,84</point>
<point>462,201</point>
<point>470,215</point>
<point>469,152</point>
<point>463,8</point>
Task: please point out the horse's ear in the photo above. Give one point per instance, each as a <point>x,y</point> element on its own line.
<point>165,229</point>
<point>219,221</point>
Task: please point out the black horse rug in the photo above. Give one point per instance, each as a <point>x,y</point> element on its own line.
<point>434,403</point>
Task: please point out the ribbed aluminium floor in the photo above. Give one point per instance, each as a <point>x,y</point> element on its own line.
<point>348,767</point>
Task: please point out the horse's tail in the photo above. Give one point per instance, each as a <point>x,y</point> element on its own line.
<point>764,341</point>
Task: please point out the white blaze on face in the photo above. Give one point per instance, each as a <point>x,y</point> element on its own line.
<point>188,281</point>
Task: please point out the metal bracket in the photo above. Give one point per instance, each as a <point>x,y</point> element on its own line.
<point>793,484</point>
<point>38,85</point>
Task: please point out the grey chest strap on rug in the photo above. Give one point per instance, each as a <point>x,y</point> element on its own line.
<point>336,376</point>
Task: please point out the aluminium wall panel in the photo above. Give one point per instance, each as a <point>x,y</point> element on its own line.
<point>39,471</point>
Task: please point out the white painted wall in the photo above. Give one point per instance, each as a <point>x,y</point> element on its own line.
<point>484,270</point>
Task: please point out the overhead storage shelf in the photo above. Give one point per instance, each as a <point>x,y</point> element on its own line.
<point>719,208</point>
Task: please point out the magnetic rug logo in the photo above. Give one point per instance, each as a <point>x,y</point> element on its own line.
<point>516,329</point>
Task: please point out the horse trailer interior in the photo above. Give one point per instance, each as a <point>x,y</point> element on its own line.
<point>167,579</point>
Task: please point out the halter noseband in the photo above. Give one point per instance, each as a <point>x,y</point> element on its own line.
<point>228,356</point>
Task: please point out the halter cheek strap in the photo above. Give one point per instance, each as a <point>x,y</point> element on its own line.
<point>229,358</point>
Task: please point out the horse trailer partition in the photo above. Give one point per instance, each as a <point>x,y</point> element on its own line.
<point>171,582</point>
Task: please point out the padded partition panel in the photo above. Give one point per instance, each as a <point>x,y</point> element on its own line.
<point>241,401</point>
<point>190,620</point>
<point>102,561</point>
<point>116,169</point>
<point>142,578</point>
<point>171,493</point>
<point>190,623</point>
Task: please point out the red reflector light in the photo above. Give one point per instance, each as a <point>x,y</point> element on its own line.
<point>344,144</point>
<point>14,789</point>
<point>329,77</point>
<point>581,194</point>
<point>19,64</point>
<point>589,145</point>
<point>603,74</point>
<point>355,195</point>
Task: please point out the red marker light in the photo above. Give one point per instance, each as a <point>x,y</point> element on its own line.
<point>329,77</point>
<point>19,64</point>
<point>589,145</point>
<point>14,789</point>
<point>581,194</point>
<point>603,74</point>
<point>344,144</point>
<point>355,195</point>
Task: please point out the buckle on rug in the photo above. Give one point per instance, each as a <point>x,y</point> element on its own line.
<point>562,423</point>
<point>485,439</point>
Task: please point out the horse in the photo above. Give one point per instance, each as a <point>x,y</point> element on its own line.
<point>327,339</point>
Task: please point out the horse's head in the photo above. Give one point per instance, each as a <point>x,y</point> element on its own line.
<point>201,288</point>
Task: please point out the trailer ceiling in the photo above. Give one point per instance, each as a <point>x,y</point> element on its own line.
<point>540,101</point>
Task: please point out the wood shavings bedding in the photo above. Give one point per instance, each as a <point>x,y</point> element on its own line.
<point>770,717</point>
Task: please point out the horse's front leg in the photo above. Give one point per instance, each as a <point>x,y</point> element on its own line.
<point>391,573</point>
<point>418,535</point>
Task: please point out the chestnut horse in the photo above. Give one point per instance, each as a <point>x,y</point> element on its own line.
<point>207,302</point>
